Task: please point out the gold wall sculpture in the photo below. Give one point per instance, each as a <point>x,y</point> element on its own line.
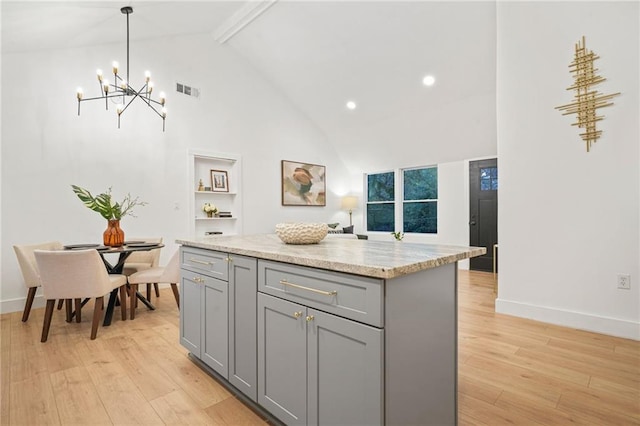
<point>587,99</point>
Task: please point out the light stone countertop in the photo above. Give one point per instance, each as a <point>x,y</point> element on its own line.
<point>378,259</point>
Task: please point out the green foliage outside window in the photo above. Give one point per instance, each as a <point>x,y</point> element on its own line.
<point>380,202</point>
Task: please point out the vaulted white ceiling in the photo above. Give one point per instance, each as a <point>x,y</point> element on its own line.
<point>319,54</point>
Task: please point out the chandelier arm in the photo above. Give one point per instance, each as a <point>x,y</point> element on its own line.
<point>128,103</point>
<point>156,111</point>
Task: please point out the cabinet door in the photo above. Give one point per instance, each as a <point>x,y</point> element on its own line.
<point>282,359</point>
<point>243,306</point>
<point>215,326</point>
<point>345,367</point>
<point>190,308</point>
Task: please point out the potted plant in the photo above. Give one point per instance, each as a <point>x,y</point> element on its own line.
<point>110,210</point>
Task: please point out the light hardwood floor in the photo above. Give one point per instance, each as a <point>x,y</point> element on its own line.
<point>511,371</point>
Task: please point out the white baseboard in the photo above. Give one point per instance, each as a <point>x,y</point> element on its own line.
<point>580,320</point>
<point>17,305</point>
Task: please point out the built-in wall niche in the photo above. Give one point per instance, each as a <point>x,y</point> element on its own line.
<point>214,179</point>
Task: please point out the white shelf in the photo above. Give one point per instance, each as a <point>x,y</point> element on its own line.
<point>216,193</point>
<point>200,165</point>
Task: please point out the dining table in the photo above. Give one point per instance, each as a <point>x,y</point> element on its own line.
<point>116,267</point>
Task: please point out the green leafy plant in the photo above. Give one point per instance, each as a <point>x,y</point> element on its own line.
<point>104,204</point>
<point>398,235</point>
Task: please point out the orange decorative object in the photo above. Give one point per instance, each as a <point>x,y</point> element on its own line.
<point>114,235</point>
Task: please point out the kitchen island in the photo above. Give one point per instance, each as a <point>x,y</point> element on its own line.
<point>340,332</point>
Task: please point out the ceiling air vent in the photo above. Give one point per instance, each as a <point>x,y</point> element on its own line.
<point>188,90</point>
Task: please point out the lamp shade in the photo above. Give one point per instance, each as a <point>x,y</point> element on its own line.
<point>349,202</point>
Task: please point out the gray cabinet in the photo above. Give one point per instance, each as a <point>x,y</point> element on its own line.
<point>215,325</point>
<point>317,368</point>
<point>190,324</point>
<point>320,347</point>
<point>218,314</point>
<point>243,285</point>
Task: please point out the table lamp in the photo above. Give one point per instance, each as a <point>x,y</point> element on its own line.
<point>349,202</point>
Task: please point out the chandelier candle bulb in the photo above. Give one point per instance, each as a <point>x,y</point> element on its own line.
<point>115,67</point>
<point>79,93</point>
<point>150,87</point>
<point>162,98</point>
<point>147,76</point>
<point>105,86</point>
<point>99,73</point>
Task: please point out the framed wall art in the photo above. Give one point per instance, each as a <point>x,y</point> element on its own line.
<point>303,184</point>
<point>219,181</point>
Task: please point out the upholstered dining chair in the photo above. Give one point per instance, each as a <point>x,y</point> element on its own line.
<point>160,274</point>
<point>77,274</point>
<point>29,269</point>
<point>141,260</point>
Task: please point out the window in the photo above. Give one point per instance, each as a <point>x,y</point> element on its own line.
<point>381,202</point>
<point>489,179</point>
<point>420,203</point>
<point>416,206</point>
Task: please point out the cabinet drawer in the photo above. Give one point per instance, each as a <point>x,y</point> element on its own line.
<point>212,263</point>
<point>349,296</point>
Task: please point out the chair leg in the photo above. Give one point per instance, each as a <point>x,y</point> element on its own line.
<point>148,292</point>
<point>48,313</point>
<point>78,305</point>
<point>97,315</point>
<point>134,298</point>
<point>123,302</point>
<point>60,302</point>
<point>176,294</point>
<point>68,309</point>
<point>27,306</point>
<point>155,286</point>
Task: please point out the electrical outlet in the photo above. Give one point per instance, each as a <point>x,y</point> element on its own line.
<point>624,281</point>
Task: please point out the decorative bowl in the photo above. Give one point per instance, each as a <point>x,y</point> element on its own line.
<point>301,233</point>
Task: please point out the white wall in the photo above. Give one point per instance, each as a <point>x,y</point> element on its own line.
<point>568,219</point>
<point>46,147</point>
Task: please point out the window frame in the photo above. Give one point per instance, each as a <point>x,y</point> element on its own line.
<point>399,199</point>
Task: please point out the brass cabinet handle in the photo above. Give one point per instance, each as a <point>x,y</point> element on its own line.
<point>198,279</point>
<point>297,314</point>
<point>309,318</point>
<point>201,262</point>
<point>229,259</point>
<point>314,290</point>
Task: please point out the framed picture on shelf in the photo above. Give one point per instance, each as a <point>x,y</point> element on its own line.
<point>219,181</point>
<point>303,184</point>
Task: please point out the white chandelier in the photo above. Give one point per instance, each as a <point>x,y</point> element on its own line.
<point>122,92</point>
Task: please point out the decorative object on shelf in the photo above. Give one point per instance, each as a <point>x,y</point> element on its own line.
<point>398,235</point>
<point>302,233</point>
<point>303,184</point>
<point>103,203</point>
<point>209,209</point>
<point>587,99</point>
<point>207,188</point>
<point>219,181</point>
<point>122,91</point>
<point>200,186</point>
<point>349,202</point>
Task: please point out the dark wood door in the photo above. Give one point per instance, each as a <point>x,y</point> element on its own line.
<point>483,210</point>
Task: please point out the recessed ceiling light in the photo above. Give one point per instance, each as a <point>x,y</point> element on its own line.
<point>428,80</point>
<point>351,105</point>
